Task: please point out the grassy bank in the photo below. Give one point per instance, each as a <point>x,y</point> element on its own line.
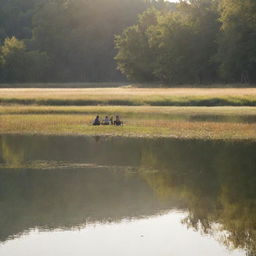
<point>218,114</point>
<point>126,96</point>
<point>49,111</point>
<point>66,124</point>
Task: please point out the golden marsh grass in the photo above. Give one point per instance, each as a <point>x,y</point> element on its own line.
<point>124,91</point>
<point>131,96</point>
<point>141,119</point>
<point>81,125</point>
<point>128,110</point>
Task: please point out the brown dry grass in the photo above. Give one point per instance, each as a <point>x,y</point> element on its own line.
<point>81,125</point>
<point>139,120</point>
<point>131,96</point>
<point>128,110</point>
<point>123,92</point>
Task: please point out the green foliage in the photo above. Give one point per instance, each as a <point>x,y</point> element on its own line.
<point>135,57</point>
<point>13,52</point>
<point>237,53</point>
<point>16,18</point>
<point>74,39</point>
<point>78,36</point>
<point>196,41</point>
<point>176,46</point>
<point>12,45</point>
<point>20,65</point>
<point>171,39</point>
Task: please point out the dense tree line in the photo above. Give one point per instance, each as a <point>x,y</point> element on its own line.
<point>196,41</point>
<point>201,41</point>
<point>63,40</point>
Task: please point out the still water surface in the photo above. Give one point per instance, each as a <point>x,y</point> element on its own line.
<point>126,196</point>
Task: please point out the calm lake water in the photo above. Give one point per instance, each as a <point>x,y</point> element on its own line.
<point>126,196</point>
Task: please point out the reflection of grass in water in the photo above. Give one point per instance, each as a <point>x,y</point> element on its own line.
<point>11,155</point>
<point>81,124</point>
<point>50,165</point>
<point>131,97</point>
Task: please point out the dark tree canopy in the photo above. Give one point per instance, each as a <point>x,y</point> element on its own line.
<point>196,41</point>
<point>181,43</point>
<point>237,40</point>
<point>66,40</point>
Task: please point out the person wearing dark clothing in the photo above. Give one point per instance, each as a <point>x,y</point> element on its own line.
<point>96,121</point>
<point>118,122</point>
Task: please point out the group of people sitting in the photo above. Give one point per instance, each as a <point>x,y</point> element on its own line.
<point>108,121</point>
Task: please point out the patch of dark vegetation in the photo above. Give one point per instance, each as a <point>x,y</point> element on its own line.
<point>210,102</point>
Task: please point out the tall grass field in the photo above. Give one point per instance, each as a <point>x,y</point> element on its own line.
<point>228,114</point>
<point>127,96</point>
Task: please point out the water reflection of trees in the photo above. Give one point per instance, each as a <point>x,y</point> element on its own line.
<point>70,198</point>
<point>214,181</point>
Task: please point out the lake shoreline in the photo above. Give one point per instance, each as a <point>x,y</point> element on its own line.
<point>132,136</point>
<point>142,119</point>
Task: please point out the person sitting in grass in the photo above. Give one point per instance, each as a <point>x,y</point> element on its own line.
<point>96,121</point>
<point>118,122</point>
<point>106,121</point>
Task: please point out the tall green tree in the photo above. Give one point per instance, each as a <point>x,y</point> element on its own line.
<point>237,51</point>
<point>78,36</point>
<point>176,46</point>
<point>13,51</point>
<point>20,65</point>
<point>203,15</point>
<point>135,57</point>
<point>16,17</point>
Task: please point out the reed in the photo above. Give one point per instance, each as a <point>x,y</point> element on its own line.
<point>126,96</point>
<point>81,125</point>
<point>145,111</point>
